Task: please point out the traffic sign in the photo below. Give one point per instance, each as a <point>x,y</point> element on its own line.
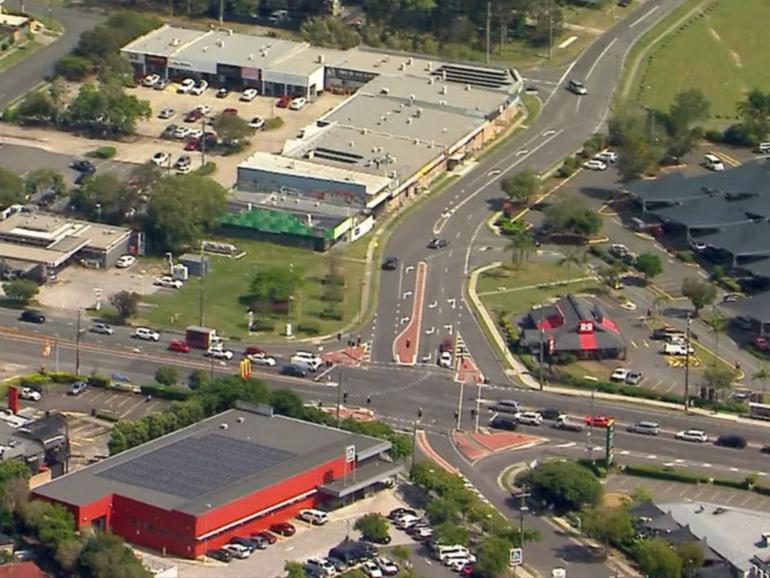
<point>350,454</point>
<point>516,557</point>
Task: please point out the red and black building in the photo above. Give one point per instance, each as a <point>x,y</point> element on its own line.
<point>572,325</point>
<point>233,474</point>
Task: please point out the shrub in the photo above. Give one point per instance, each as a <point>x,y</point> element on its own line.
<point>99,380</point>
<point>273,123</point>
<point>713,136</point>
<point>731,284</point>
<point>763,490</point>
<point>102,153</point>
<point>309,327</point>
<point>262,324</point>
<point>568,168</point>
<point>665,473</point>
<point>171,392</point>
<point>736,134</point>
<point>334,313</point>
<point>685,256</point>
<point>63,377</point>
<point>206,169</point>
<point>737,484</point>
<point>333,293</point>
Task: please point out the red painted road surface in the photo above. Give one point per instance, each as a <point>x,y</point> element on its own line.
<point>466,370</point>
<point>407,343</point>
<point>347,356</point>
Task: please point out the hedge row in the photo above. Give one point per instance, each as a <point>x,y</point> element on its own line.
<point>172,392</point>
<point>666,473</point>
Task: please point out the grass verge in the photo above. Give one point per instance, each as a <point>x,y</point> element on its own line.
<point>19,53</point>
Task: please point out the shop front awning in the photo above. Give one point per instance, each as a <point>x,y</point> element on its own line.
<point>364,476</point>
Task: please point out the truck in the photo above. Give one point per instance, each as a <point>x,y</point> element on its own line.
<point>201,337</point>
<point>566,423</point>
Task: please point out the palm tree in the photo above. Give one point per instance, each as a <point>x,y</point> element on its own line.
<point>522,246</point>
<point>658,301</point>
<point>762,375</point>
<point>717,325</point>
<point>572,257</point>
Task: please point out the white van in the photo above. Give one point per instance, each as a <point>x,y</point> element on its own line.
<point>312,516</point>
<point>453,556</point>
<point>713,163</point>
<point>444,551</point>
<point>763,148</point>
<point>310,365</point>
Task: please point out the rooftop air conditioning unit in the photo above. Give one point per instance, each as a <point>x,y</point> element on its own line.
<point>442,102</point>
<point>229,31</point>
<point>321,58</point>
<point>402,66</point>
<point>410,60</point>
<point>240,419</point>
<point>467,87</point>
<point>205,49</point>
<point>351,144</point>
<point>416,141</point>
<point>364,131</point>
<point>384,90</point>
<point>429,67</point>
<point>443,74</point>
<point>432,80</point>
<point>409,120</point>
<point>221,43</point>
<point>443,89</point>
<point>224,426</point>
<point>175,42</point>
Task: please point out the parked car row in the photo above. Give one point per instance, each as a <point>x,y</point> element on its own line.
<point>242,547</point>
<point>347,555</point>
<point>411,522</point>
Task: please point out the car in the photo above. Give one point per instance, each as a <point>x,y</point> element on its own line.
<point>266,536</point>
<point>387,566</point>
<point>505,406</point>
<point>101,328</point>
<point>230,110</point>
<point>437,243</point>
<point>371,569</point>
<point>261,359</point>
<point>181,132</point>
<point>445,359</point>
<point>761,342</point>
<point>125,261</point>
<point>222,92</point>
<point>322,566</point>
<point>166,113</point>
<point>666,332</point>
<point>77,388</point>
<point>182,162</point>
<point>160,158</point>
<point>619,250</point>
<point>249,94</point>
<point>422,534</point>
<point>260,542</point>
<point>765,449</point>
<point>30,394</point>
<point>677,349</point>
<point>390,264</point>
<point>550,413</point>
<point>193,144</point>
<point>504,422</point>
<point>383,540</point>
<point>150,80</point>
<point>697,246</point>
<point>595,165</point>
<point>339,565</point>
<point>146,334</point>
<point>732,297</point>
<point>467,570</point>
<point>284,529</point>
<point>597,420</point>
<point>298,103</point>
<point>257,123</point>
<point>732,441</point>
<point>577,87</point>
<point>168,281</point>
<point>237,550</point>
<point>634,377</point>
<point>179,346</point>
<point>196,133</point>
<point>692,435</point>
<point>313,516</point>
<point>248,543</point>
<point>620,374</point>
<point>283,102</point>
<point>293,371</point>
<point>607,156</point>
<point>32,316</point>
<point>397,512</point>
<point>219,353</point>
<point>649,428</point>
<point>170,131</point>
<point>254,350</point>
<point>221,555</point>
<point>529,418</point>
<point>457,564</point>
<point>83,166</point>
<point>185,86</point>
<point>161,84</point>
<point>199,88</point>
<point>194,116</point>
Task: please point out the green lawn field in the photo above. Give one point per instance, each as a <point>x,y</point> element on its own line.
<point>722,51</point>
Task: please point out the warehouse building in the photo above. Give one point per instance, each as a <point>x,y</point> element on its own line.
<point>230,475</point>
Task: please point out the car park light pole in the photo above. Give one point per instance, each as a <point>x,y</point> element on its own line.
<point>460,405</point>
<point>687,366</point>
<point>522,508</point>
<point>77,346</point>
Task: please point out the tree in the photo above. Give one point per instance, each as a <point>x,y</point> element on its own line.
<point>567,485</point>
<point>717,325</point>
<point>718,376</point>
<point>232,129</point>
<point>571,258</point>
<point>143,178</point>
<point>688,108</point>
<point>699,292</point>
<point>608,525</point>
<point>107,109</point>
<point>105,197</point>
<point>330,32</point>
<point>294,569</point>
<point>762,375</point>
<point>42,180</point>
<point>181,209</point>
<point>493,556</point>
<point>401,554</point>
<point>657,560</point>
<point>126,303</point>
<point>637,156</point>
<point>641,494</point>
<point>11,188</point>
<point>638,140</point>
<point>521,245</point>
<point>520,187</point>
<point>451,533</point>
<point>572,217</point>
<point>197,378</point>
<point>21,291</point>
<point>106,556</point>
<point>691,555</point>
<point>755,115</point>
<point>36,106</point>
<point>73,67</point>
<point>648,265</point>
<point>165,375</point>
<point>373,527</point>
<point>275,284</point>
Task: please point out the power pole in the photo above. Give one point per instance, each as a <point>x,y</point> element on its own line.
<point>203,138</point>
<point>414,440</point>
<point>522,508</point>
<point>542,357</point>
<point>339,394</point>
<point>478,407</point>
<point>77,347</point>
<point>460,405</point>
<point>591,428</point>
<point>550,29</point>
<point>489,24</point>
<point>687,366</point>
<point>204,273</point>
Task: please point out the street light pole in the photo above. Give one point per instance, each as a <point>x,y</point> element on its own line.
<point>204,273</point>
<point>591,428</point>
<point>478,407</point>
<point>77,347</point>
<point>339,394</point>
<point>522,508</point>
<point>687,366</point>
<point>542,356</point>
<point>460,405</point>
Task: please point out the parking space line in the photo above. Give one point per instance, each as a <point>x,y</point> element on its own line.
<point>132,408</point>
<point>634,344</point>
<point>646,344</point>
<point>122,402</point>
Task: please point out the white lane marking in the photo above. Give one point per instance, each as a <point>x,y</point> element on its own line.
<point>560,82</point>
<point>599,58</point>
<point>643,16</point>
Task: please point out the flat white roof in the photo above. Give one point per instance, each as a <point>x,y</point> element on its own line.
<point>164,41</point>
<point>306,168</point>
<point>245,50</point>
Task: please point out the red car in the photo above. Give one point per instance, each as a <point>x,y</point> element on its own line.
<point>467,570</point>
<point>597,420</point>
<point>192,145</point>
<point>266,536</point>
<point>193,115</point>
<point>761,343</point>
<point>254,350</point>
<point>283,529</point>
<point>179,346</point>
<point>230,111</point>
<point>283,102</point>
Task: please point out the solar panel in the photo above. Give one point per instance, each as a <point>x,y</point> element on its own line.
<point>194,466</point>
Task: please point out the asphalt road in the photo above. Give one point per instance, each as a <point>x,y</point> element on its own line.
<point>28,73</point>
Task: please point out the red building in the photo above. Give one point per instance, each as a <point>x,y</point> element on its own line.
<point>233,474</point>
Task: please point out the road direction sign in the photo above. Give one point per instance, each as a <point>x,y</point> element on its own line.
<point>516,557</point>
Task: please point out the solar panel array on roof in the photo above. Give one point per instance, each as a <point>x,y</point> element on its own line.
<point>195,466</point>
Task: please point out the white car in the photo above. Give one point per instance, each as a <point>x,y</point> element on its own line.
<point>577,87</point>
<point>185,86</point>
<point>219,353</point>
<point>168,281</point>
<point>297,103</point>
<point>371,569</point>
<point>457,564</point>
<point>445,359</point>
<point>166,113</point>
<point>261,359</point>
<point>204,108</point>
<point>150,80</point>
<point>196,133</point>
<point>182,132</point>
<point>595,165</point>
<point>677,349</point>
<point>529,418</point>
<point>160,158</point>
<point>607,157</point>
<point>249,94</point>
<point>125,261</point>
<point>387,566</point>
<point>101,329</point>
<point>693,435</point>
<point>257,122</point>
<point>30,394</point>
<point>620,374</point>
<point>199,88</point>
<point>237,550</point>
<point>146,334</point>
